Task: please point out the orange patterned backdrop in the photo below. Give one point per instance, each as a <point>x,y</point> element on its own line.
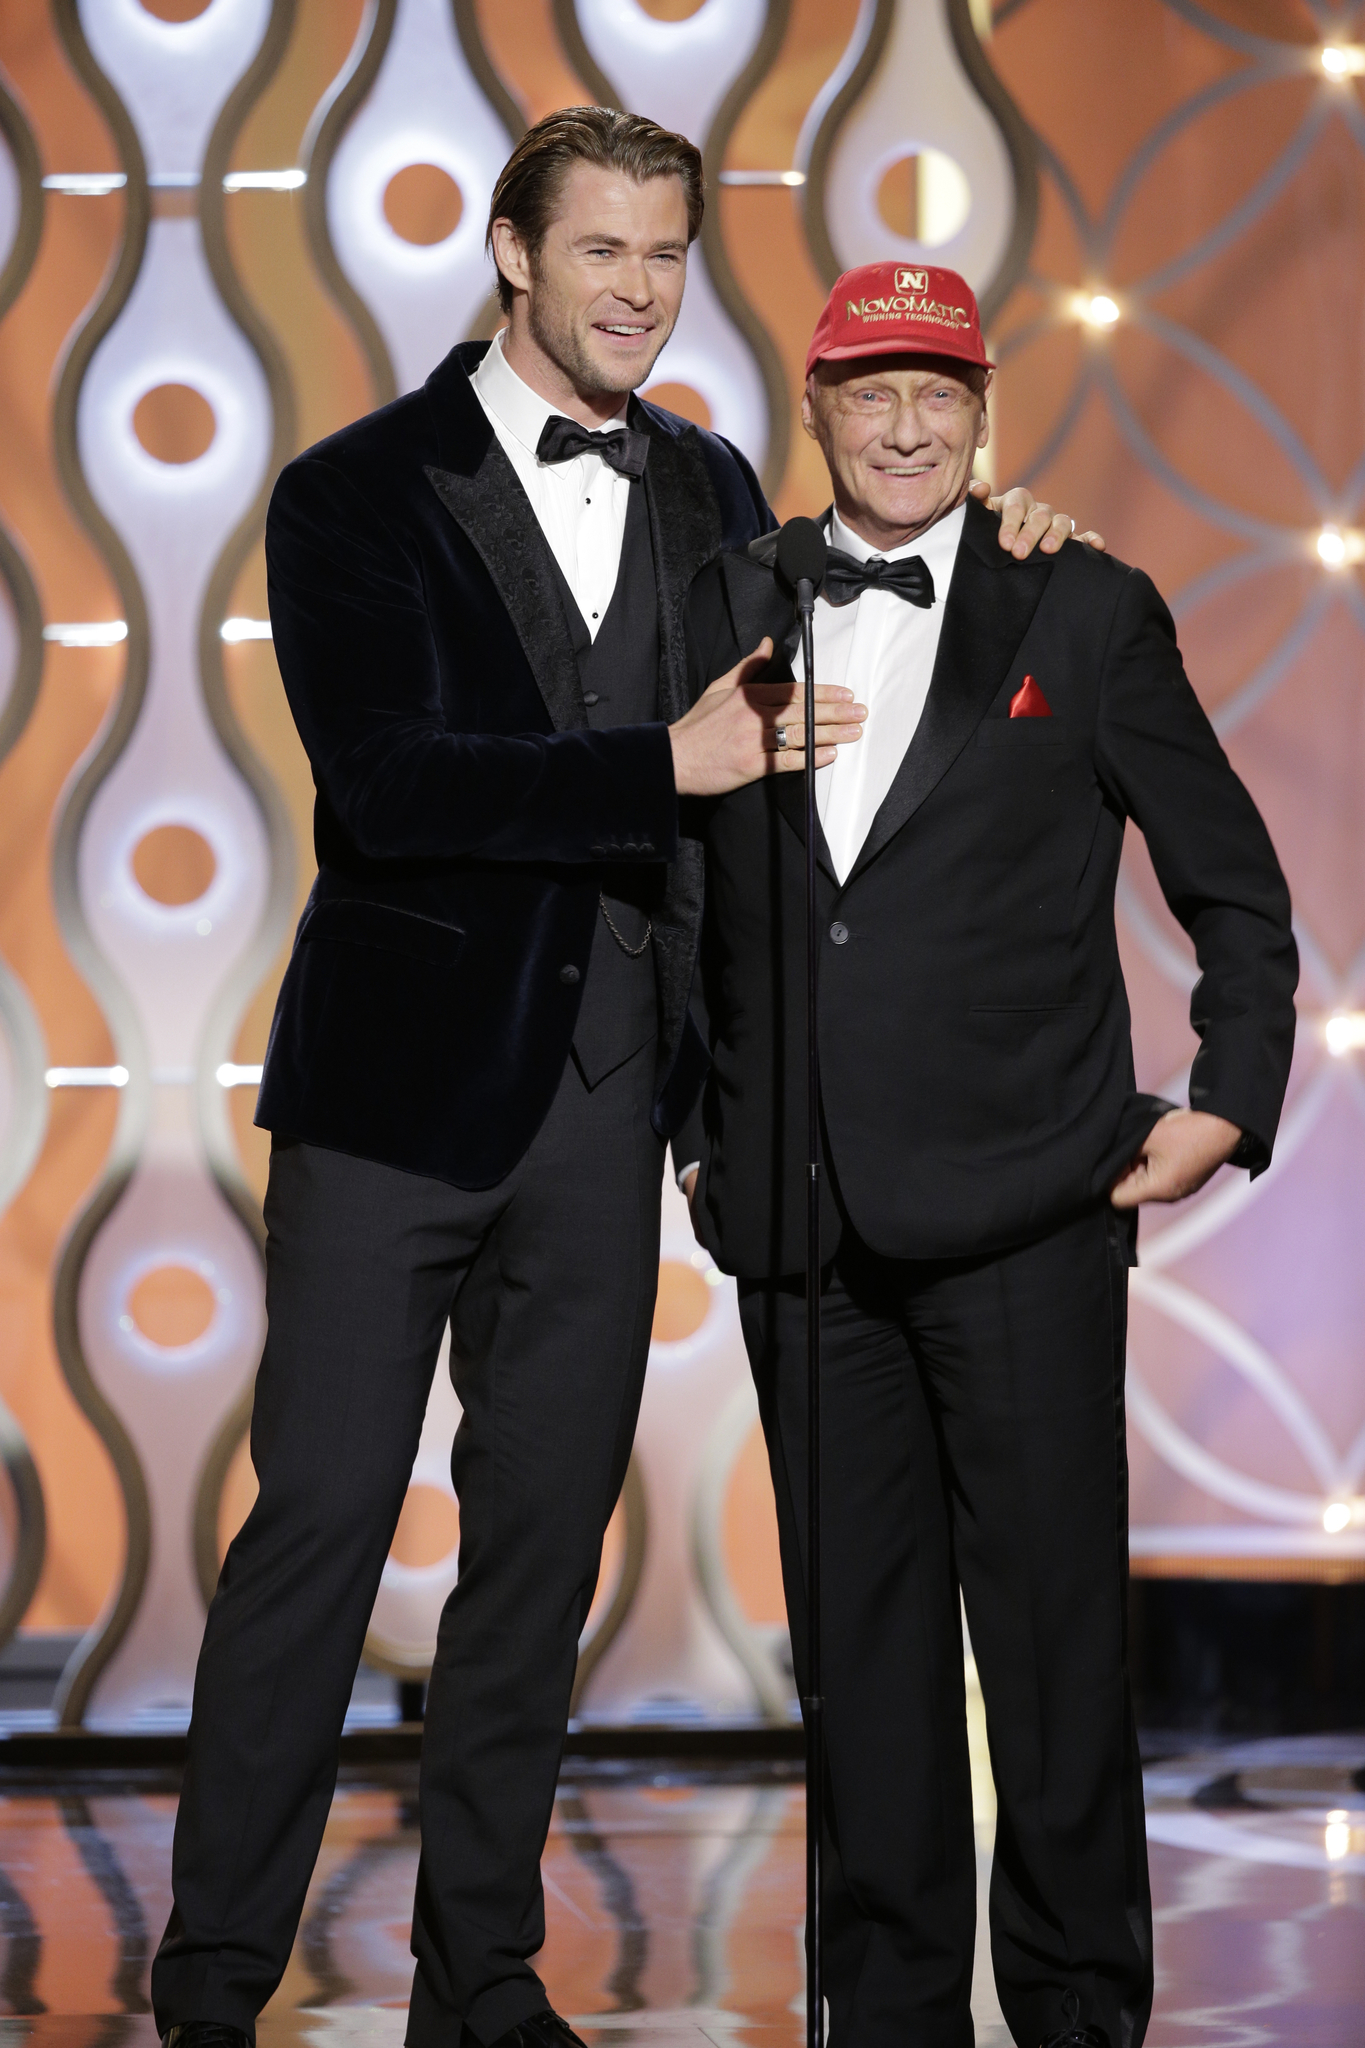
<point>1198,166</point>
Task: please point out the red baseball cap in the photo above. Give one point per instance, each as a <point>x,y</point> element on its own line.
<point>884,309</point>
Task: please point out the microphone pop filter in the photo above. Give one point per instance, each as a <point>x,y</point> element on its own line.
<point>801,552</point>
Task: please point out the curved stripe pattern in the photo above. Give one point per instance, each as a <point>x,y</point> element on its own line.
<point>411,96</point>
<point>695,76</point>
<point>23,1054</point>
<point>171,977</point>
<point>914,79</point>
<point>1271,1518</point>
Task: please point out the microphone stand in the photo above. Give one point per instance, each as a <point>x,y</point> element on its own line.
<point>813,1703</point>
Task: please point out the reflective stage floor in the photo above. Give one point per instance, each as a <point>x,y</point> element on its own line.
<point>674,1904</point>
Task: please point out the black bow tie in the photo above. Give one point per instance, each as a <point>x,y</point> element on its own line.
<point>846,579</point>
<point>621,450</point>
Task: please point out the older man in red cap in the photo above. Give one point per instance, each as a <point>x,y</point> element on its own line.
<point>985,1150</point>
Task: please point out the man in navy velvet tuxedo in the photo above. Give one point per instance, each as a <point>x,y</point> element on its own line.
<point>481,1046</point>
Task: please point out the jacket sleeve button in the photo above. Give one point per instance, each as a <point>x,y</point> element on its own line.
<point>569,975</point>
<point>839,934</point>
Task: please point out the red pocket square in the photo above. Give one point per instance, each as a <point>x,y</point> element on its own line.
<point>1028,701</point>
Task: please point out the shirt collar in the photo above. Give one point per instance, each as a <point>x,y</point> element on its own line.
<point>937,547</point>
<point>514,404</point>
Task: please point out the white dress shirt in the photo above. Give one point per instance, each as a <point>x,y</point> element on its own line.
<point>883,649</point>
<point>581,504</point>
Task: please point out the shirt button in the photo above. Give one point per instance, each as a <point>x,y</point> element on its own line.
<point>569,975</point>
<point>839,934</point>
<point>591,696</point>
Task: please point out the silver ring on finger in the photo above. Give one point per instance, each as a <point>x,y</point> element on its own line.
<point>780,735</point>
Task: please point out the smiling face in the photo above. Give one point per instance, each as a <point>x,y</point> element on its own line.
<point>899,435</point>
<point>596,302</point>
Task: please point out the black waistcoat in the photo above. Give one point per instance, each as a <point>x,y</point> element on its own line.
<point>619,671</point>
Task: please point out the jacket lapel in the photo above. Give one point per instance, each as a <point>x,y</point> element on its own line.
<point>685,532</point>
<point>989,608</point>
<point>758,606</point>
<point>788,792</point>
<point>483,495</point>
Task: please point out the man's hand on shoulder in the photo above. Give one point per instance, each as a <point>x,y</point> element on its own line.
<point>740,729</point>
<point>1184,1149</point>
<point>1025,524</point>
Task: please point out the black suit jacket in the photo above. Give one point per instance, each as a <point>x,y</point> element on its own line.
<point>976,1063</point>
<point>464,808</point>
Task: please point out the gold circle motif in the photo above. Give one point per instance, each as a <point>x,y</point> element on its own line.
<point>428,1528</point>
<point>174,423</point>
<point>680,398</point>
<point>423,204</point>
<point>172,1306</point>
<point>682,1302</point>
<point>176,10</point>
<point>173,864</point>
<point>898,198</point>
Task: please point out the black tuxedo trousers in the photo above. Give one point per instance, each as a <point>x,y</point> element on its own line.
<point>549,1281</point>
<point>486,776</point>
<point>972,1434</point>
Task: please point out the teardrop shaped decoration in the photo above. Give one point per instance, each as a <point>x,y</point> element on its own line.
<point>23,1097</point>
<point>405,154</point>
<point>696,76</point>
<point>914,151</point>
<point>165,872</point>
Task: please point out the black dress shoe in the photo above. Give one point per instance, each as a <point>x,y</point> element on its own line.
<point>1073,2034</point>
<point>204,2034</point>
<point>543,2030</point>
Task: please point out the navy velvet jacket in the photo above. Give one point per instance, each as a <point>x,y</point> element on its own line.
<point>464,808</point>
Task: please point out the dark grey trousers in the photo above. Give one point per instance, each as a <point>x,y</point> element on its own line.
<point>972,1435</point>
<point>549,1281</point>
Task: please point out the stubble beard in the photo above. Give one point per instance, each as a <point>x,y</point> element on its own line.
<point>557,337</point>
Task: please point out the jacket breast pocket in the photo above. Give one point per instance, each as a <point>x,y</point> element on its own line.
<point>1021,732</point>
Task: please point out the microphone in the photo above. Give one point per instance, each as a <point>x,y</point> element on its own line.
<point>801,554</point>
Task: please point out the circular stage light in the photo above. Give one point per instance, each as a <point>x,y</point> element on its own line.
<point>1099,310</point>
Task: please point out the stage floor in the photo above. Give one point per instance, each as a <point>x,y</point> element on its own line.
<point>674,1905</point>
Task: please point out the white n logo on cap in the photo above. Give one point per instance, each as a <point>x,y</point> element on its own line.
<point>912,280</point>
